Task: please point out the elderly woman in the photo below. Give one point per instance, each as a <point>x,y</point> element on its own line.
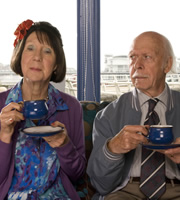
<point>40,167</point>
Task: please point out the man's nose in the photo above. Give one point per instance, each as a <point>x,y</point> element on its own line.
<point>138,64</point>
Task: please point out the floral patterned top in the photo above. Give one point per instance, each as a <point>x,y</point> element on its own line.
<point>36,163</point>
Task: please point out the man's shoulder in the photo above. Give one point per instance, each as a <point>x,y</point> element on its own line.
<point>175,95</point>
<point>175,92</point>
<point>122,102</point>
<point>123,99</point>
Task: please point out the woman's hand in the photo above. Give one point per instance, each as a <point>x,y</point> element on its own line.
<point>9,116</point>
<point>59,139</point>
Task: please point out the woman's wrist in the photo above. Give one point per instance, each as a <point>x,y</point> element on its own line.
<point>65,141</point>
<point>6,138</point>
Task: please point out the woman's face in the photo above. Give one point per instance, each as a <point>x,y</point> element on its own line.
<point>38,60</point>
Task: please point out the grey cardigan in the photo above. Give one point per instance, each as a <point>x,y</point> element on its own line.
<point>108,174</point>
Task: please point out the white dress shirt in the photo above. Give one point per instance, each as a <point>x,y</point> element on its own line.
<point>172,171</point>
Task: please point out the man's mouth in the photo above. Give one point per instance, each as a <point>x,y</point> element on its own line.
<point>139,76</point>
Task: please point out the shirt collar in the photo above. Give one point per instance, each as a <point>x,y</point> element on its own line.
<point>143,98</point>
<point>55,99</point>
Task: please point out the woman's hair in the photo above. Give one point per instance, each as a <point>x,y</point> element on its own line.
<point>46,33</point>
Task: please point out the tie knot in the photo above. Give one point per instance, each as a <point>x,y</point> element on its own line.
<point>152,103</point>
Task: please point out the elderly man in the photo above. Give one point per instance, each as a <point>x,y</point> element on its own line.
<point>116,165</point>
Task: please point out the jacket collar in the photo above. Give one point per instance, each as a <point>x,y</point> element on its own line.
<point>136,104</point>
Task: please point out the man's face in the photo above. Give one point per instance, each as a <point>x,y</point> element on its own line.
<point>148,65</point>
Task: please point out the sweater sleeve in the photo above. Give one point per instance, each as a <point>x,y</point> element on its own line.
<point>5,158</point>
<point>72,155</point>
<point>104,168</point>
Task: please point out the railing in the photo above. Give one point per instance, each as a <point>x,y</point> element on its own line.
<point>113,86</point>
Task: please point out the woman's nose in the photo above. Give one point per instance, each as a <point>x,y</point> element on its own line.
<point>38,56</point>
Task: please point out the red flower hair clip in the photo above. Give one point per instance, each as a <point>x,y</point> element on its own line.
<point>21,30</point>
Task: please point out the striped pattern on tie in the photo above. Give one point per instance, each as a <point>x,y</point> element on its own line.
<point>152,180</point>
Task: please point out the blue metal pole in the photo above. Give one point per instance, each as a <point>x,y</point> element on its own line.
<point>88,44</point>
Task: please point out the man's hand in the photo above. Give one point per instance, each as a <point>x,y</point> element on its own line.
<point>128,138</point>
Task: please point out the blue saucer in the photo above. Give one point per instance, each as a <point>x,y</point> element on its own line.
<point>42,131</point>
<point>160,146</point>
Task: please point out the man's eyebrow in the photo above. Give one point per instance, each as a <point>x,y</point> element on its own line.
<point>131,52</point>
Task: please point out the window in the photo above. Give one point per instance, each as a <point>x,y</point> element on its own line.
<point>122,21</point>
<point>60,13</point>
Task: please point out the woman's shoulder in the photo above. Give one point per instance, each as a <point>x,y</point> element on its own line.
<point>69,100</point>
<point>3,96</point>
<point>56,93</point>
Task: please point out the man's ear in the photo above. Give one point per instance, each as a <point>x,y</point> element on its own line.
<point>168,65</point>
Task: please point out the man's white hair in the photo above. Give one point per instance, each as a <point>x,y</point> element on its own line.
<point>169,52</point>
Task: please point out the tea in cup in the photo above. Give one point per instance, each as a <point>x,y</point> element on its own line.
<point>36,109</point>
<point>161,134</point>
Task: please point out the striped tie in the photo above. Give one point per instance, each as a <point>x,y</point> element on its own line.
<point>152,180</point>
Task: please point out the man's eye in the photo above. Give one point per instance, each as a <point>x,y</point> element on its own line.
<point>132,57</point>
<point>147,57</point>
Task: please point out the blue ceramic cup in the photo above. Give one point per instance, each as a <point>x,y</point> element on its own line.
<point>36,109</point>
<point>161,134</point>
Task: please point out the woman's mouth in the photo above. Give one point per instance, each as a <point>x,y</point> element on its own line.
<point>35,69</point>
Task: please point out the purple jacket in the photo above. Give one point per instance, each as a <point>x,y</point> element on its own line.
<point>71,155</point>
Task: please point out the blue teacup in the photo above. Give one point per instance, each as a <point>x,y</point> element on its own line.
<point>161,134</point>
<point>36,109</point>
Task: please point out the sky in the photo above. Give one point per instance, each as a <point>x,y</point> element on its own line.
<point>60,13</point>
<point>121,21</point>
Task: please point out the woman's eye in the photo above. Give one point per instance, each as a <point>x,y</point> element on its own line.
<point>30,47</point>
<point>47,50</point>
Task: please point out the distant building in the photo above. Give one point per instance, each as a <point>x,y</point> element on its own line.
<point>71,70</point>
<point>120,64</point>
<point>178,65</point>
<point>7,77</point>
<point>116,64</point>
